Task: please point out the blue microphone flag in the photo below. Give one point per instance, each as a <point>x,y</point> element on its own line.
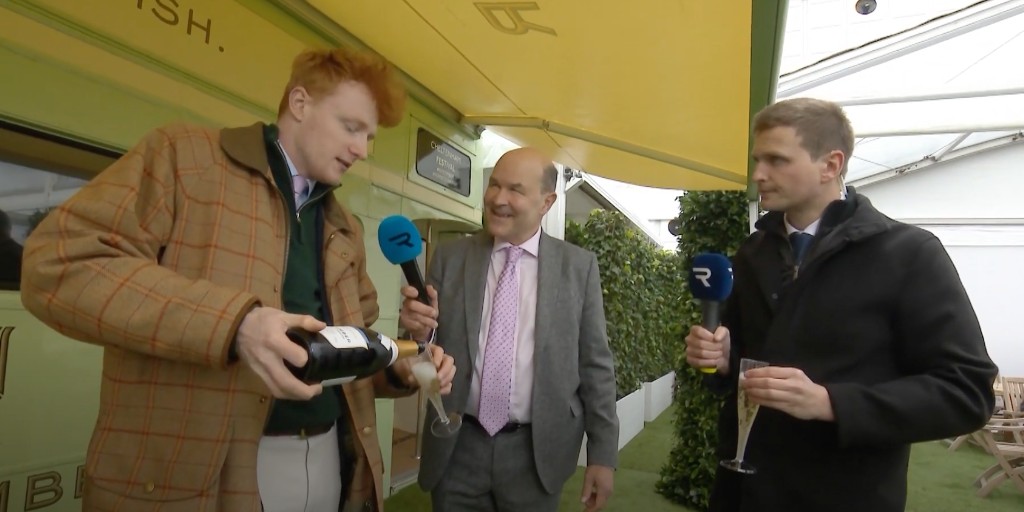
<point>399,239</point>
<point>401,243</point>
<point>711,277</point>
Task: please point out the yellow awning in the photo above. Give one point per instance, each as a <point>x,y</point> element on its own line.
<point>656,93</point>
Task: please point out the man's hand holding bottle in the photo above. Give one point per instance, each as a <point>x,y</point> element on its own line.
<point>262,343</point>
<point>263,346</point>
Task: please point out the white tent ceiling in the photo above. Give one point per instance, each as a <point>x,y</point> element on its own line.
<point>947,86</point>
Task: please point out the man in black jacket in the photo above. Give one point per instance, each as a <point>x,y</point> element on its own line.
<point>871,340</point>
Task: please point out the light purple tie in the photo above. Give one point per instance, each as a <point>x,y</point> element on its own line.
<point>299,186</point>
<point>499,355</point>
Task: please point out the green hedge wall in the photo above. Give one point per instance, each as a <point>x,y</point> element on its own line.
<point>717,222</point>
<point>642,287</point>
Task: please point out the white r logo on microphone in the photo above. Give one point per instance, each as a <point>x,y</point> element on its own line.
<point>702,274</point>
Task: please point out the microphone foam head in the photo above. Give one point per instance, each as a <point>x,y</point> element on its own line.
<point>399,239</point>
<point>711,277</point>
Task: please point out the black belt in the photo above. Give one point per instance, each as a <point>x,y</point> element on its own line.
<point>302,432</point>
<point>509,427</point>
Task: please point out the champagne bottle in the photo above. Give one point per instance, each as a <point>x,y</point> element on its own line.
<point>340,354</point>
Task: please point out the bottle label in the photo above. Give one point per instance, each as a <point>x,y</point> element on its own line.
<point>345,337</point>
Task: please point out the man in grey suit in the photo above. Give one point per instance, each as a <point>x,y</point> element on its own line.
<point>525,312</point>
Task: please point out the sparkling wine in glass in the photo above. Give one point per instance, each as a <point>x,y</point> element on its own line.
<point>445,424</point>
<point>747,411</point>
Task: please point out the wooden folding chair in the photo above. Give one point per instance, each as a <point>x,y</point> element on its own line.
<point>999,389</point>
<point>1013,396</point>
<point>1009,455</point>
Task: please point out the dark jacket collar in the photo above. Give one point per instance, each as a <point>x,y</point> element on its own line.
<point>854,217</point>
<point>246,145</point>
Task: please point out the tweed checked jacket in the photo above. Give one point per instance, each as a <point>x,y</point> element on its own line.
<point>158,259</point>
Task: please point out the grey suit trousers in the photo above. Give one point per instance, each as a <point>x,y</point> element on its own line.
<point>492,474</point>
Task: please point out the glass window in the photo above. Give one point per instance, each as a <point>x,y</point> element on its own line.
<point>37,173</point>
<point>26,196</point>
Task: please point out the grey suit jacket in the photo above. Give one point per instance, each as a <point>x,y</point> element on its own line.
<point>574,375</point>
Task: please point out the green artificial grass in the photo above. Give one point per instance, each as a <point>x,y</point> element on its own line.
<point>943,481</point>
<point>938,480</point>
<point>640,464</point>
<point>409,499</point>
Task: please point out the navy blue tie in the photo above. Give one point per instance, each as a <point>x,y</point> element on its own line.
<point>800,243</point>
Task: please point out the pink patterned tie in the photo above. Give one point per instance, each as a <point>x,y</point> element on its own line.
<point>498,354</point>
<point>299,186</point>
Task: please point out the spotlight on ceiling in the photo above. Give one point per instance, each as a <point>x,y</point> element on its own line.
<point>865,6</point>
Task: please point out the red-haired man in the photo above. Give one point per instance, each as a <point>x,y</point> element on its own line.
<point>187,260</point>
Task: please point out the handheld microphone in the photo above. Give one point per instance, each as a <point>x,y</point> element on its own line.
<point>401,244</point>
<point>710,283</point>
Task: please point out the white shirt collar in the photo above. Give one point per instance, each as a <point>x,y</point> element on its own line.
<point>295,172</point>
<point>531,245</point>
<point>811,229</point>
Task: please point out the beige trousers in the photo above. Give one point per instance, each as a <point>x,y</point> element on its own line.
<point>297,474</point>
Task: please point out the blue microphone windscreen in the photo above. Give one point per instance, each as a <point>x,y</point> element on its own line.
<point>399,239</point>
<point>711,277</point>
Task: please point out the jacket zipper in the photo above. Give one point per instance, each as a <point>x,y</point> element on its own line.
<point>287,247</point>
<point>820,255</point>
<point>310,199</point>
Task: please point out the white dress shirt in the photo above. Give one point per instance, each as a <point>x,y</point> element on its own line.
<point>522,372</point>
<point>291,168</point>
<point>812,229</point>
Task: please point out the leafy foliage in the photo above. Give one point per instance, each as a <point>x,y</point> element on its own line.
<point>711,222</point>
<point>641,284</point>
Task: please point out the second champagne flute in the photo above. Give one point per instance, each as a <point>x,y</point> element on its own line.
<point>746,411</point>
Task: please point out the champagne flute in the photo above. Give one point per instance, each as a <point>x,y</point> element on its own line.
<point>747,411</point>
<point>445,424</point>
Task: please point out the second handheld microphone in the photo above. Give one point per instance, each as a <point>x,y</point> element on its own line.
<point>710,283</point>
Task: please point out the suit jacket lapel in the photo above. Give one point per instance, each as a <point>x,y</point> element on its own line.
<point>549,264</point>
<point>477,261</point>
